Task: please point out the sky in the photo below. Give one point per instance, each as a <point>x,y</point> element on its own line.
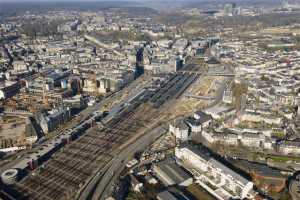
<point>67,0</point>
<point>77,0</point>
<point>86,0</point>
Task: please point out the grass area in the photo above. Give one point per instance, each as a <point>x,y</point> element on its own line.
<point>284,158</point>
<point>132,196</point>
<point>203,87</point>
<point>197,60</point>
<point>242,125</point>
<point>186,106</point>
<point>255,125</point>
<point>278,134</point>
<point>280,30</point>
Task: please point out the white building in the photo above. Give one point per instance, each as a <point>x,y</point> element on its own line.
<point>246,139</point>
<point>224,138</point>
<point>208,170</point>
<point>180,130</point>
<point>254,117</point>
<point>203,118</point>
<point>19,66</point>
<point>289,147</point>
<point>252,140</point>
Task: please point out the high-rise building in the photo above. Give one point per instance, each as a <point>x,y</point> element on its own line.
<point>229,9</point>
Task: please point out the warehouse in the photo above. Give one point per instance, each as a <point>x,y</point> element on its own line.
<point>171,174</point>
<point>166,196</point>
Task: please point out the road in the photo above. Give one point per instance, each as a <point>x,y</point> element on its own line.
<point>220,91</point>
<point>103,189</point>
<point>294,190</point>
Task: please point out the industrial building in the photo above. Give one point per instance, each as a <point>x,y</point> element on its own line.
<point>10,176</point>
<point>165,195</point>
<point>171,174</point>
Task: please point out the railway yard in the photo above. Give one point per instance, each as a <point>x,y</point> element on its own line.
<point>63,174</point>
<point>121,100</point>
<point>67,171</point>
<point>176,85</point>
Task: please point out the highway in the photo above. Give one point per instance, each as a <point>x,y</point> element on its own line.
<point>294,186</point>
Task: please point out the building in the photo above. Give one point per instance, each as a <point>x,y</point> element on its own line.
<point>203,118</point>
<point>136,185</point>
<point>228,95</point>
<point>210,172</point>
<point>194,124</point>
<point>52,119</point>
<point>230,9</point>
<point>256,117</point>
<point>236,138</point>
<point>166,195</point>
<point>171,174</point>
<point>9,89</point>
<point>180,130</point>
<point>183,128</point>
<point>76,103</point>
<point>109,81</point>
<point>19,66</point>
<point>252,140</point>
<point>39,85</point>
<point>68,26</point>
<point>289,147</point>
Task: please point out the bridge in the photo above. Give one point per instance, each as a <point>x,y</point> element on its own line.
<point>207,73</point>
<point>219,74</point>
<point>200,97</point>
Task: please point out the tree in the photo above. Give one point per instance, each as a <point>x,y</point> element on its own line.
<point>238,90</point>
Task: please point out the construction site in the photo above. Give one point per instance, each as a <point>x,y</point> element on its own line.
<point>16,132</point>
<point>33,102</point>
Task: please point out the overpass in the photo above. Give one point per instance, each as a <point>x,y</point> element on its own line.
<point>219,74</point>
<point>207,73</point>
<point>209,98</point>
